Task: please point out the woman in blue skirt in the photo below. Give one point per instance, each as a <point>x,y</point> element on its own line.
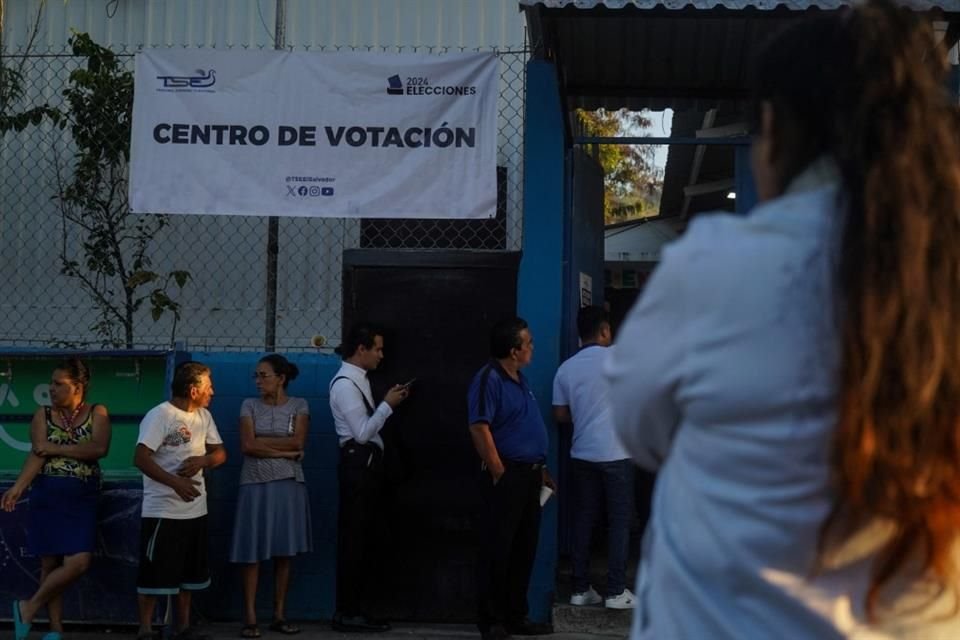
<point>63,474</point>
<point>273,513</point>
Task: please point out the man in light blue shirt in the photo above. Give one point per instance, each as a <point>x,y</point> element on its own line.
<point>601,466</point>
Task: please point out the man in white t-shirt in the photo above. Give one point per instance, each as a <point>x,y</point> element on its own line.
<point>601,467</point>
<point>178,440</point>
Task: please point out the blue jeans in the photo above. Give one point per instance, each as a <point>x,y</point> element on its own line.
<point>592,482</point>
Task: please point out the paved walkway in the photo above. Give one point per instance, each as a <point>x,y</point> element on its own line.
<point>316,631</point>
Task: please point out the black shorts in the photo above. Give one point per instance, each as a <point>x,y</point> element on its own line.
<point>173,555</point>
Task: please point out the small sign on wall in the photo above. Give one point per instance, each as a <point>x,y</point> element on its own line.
<point>586,290</point>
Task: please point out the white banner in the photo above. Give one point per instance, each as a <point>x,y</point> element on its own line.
<point>273,133</point>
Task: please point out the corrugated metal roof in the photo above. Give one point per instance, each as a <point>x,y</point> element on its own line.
<point>795,5</point>
<point>656,61</point>
<point>687,55</point>
<point>678,54</point>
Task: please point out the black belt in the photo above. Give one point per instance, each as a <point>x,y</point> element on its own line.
<point>353,443</point>
<point>524,466</point>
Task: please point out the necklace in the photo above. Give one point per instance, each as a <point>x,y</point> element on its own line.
<point>68,420</point>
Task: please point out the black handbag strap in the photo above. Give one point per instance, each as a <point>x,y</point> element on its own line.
<point>366,402</point>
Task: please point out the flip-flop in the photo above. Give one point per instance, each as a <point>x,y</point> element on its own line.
<point>284,627</point>
<point>250,631</point>
<point>21,629</point>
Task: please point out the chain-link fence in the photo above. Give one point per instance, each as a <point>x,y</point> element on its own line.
<point>62,284</point>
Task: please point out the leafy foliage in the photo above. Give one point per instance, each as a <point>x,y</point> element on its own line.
<point>112,262</point>
<point>11,93</point>
<point>12,88</point>
<point>632,182</point>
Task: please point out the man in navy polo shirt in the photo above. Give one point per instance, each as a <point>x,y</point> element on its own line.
<point>511,438</point>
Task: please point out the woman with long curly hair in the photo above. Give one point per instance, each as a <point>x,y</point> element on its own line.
<point>794,375</point>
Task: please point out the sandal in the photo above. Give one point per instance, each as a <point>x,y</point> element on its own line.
<point>284,627</point>
<point>250,631</point>
<point>21,629</point>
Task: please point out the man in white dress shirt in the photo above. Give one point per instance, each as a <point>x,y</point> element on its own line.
<point>358,421</point>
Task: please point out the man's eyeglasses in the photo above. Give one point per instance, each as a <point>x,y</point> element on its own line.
<point>261,375</point>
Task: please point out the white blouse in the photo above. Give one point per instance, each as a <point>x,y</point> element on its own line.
<point>724,378</point>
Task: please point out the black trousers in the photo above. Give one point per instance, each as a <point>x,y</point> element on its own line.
<point>360,473</point>
<point>509,525</point>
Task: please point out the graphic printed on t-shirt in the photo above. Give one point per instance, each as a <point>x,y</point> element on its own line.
<point>180,435</point>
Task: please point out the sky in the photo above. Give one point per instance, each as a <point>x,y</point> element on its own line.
<point>660,125</point>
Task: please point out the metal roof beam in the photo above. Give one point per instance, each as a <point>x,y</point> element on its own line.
<point>704,188</point>
<point>736,129</point>
<point>621,90</point>
<point>736,141</point>
<point>708,119</point>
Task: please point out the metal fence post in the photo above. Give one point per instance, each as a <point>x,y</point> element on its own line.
<point>273,223</point>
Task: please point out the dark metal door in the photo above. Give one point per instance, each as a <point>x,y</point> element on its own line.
<point>437,308</point>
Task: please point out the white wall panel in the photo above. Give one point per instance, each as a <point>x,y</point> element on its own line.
<point>225,258</point>
<point>224,23</point>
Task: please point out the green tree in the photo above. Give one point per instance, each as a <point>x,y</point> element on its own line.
<point>14,115</point>
<point>632,182</point>
<point>111,261</point>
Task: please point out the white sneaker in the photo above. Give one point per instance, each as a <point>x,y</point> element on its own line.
<point>625,600</point>
<point>587,597</point>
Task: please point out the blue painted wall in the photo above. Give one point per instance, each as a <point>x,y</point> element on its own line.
<point>540,286</point>
<point>585,254</point>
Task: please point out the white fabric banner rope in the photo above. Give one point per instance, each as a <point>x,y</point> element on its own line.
<point>354,135</point>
